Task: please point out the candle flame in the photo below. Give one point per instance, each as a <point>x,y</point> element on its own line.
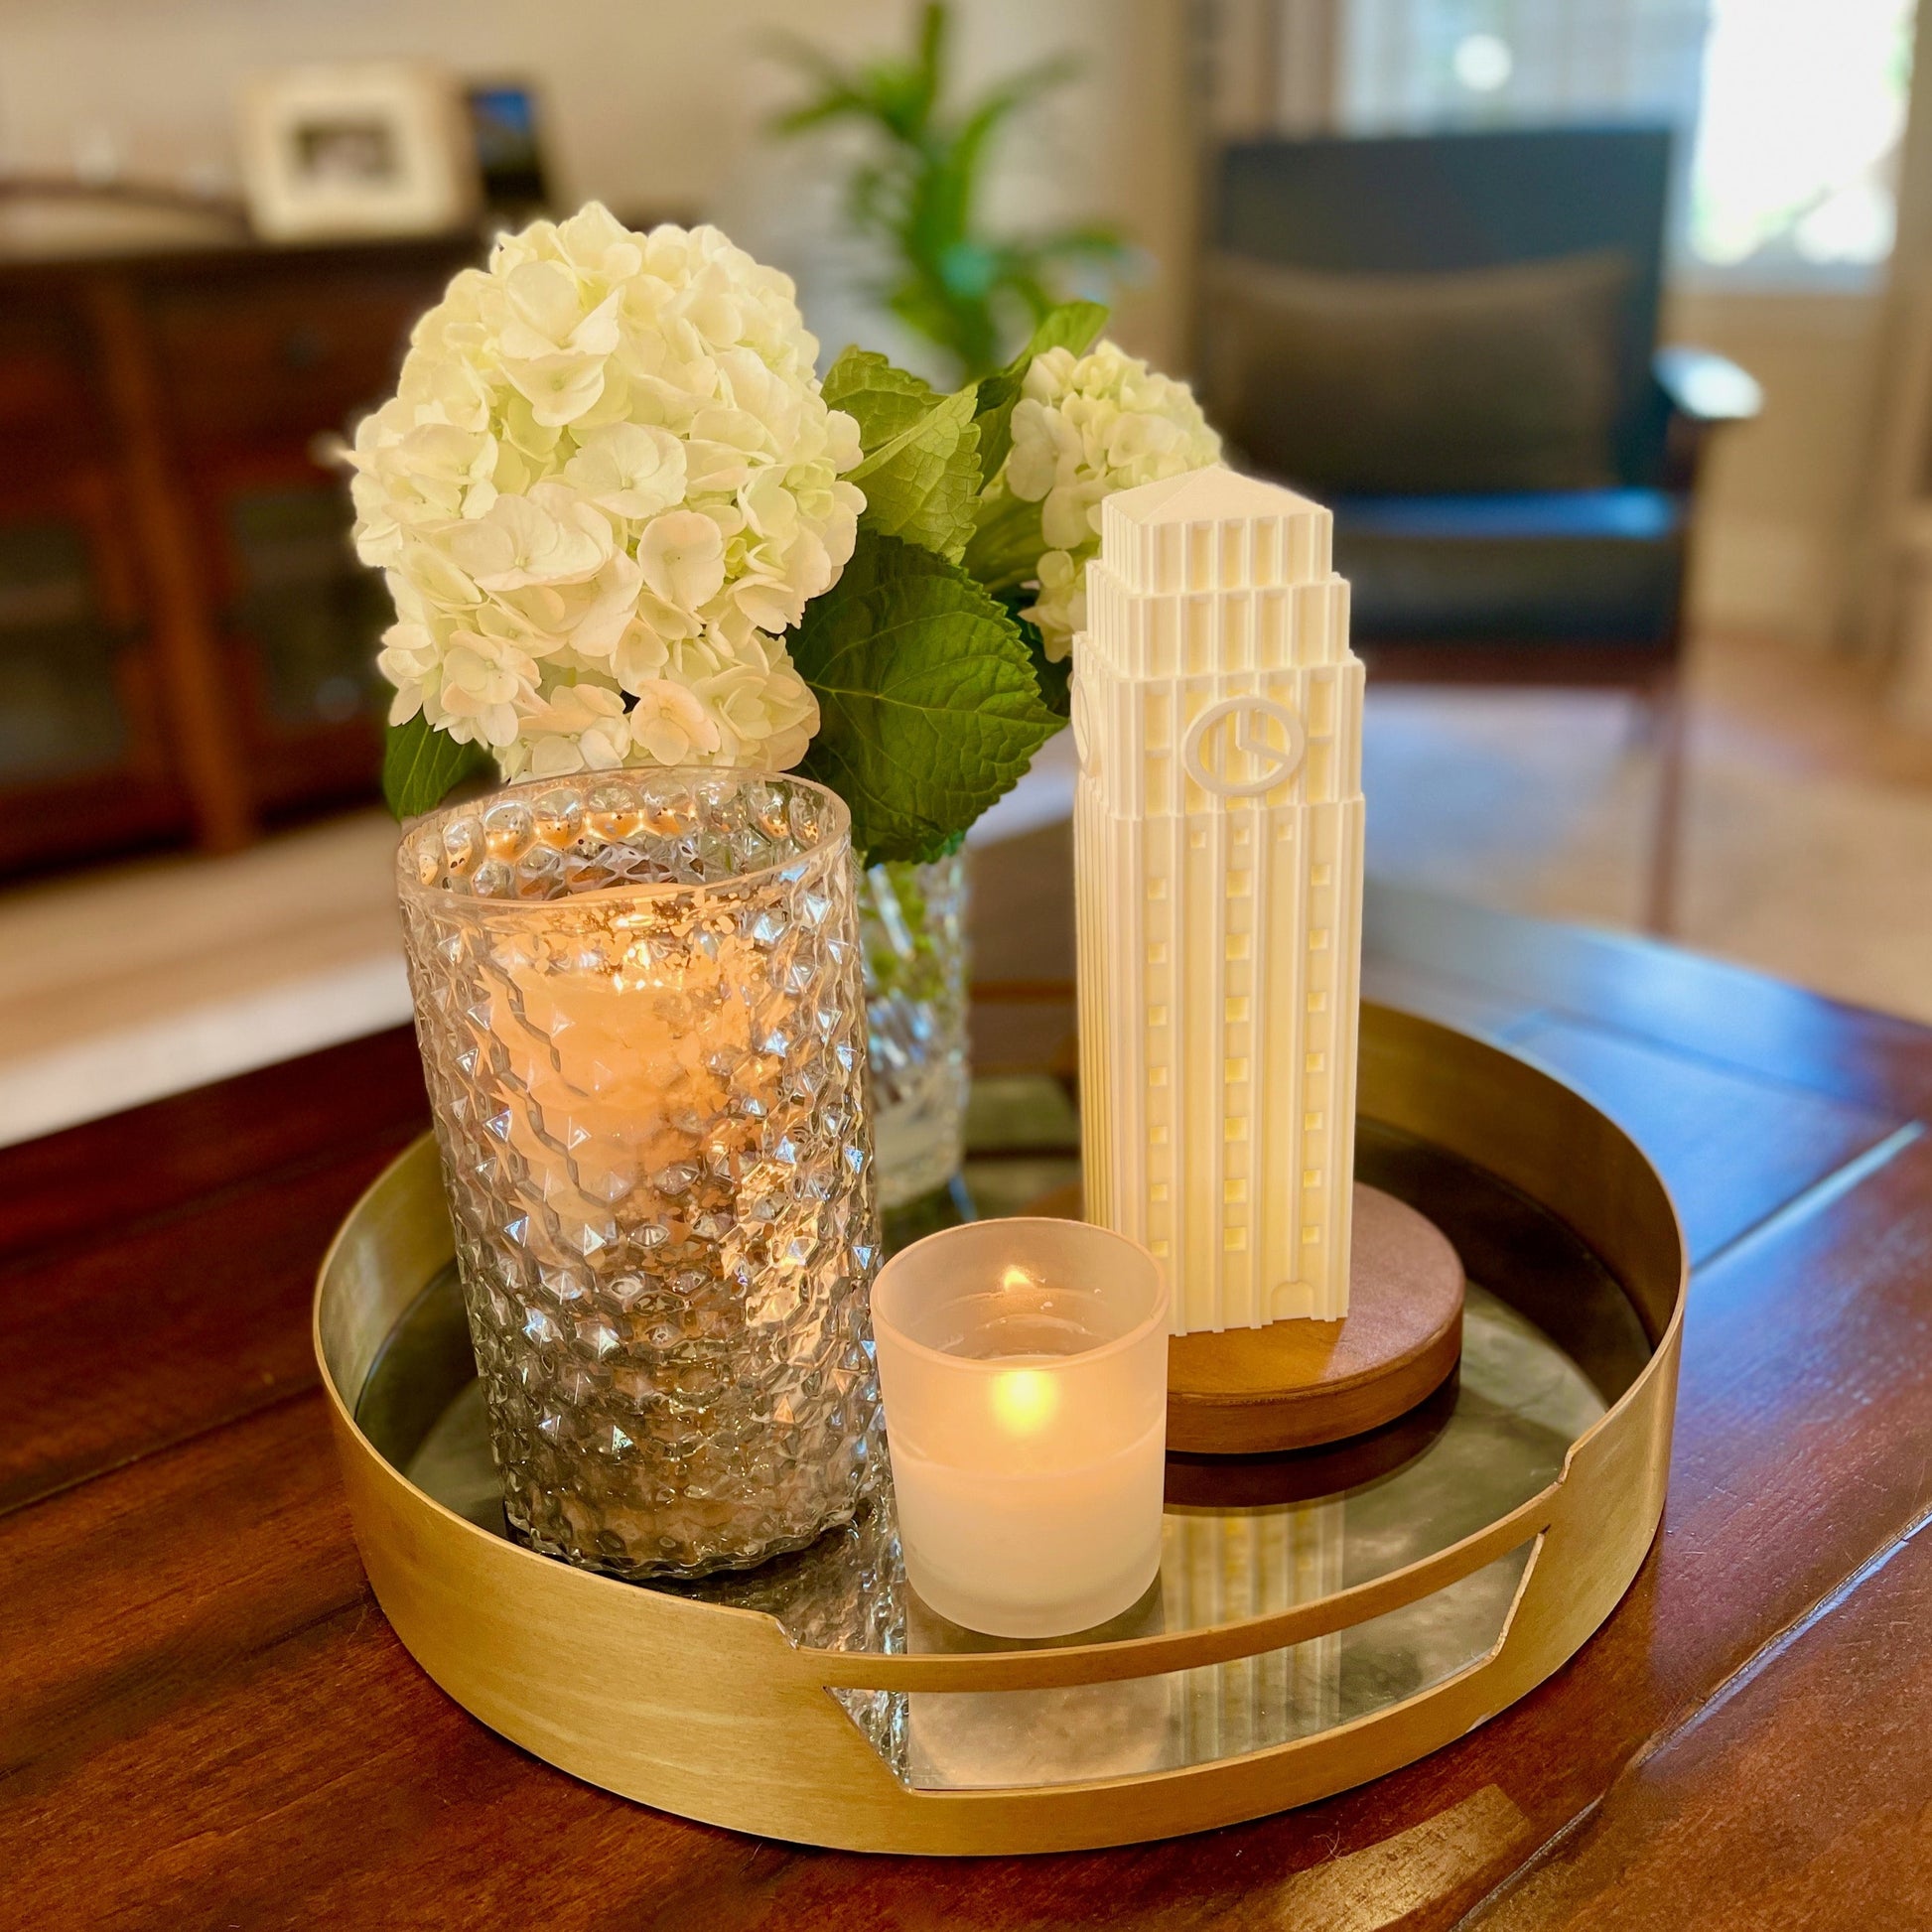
<point>1025,1399</point>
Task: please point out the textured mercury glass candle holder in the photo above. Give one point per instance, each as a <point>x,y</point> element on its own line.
<point>1218,863</point>
<point>640,1009</point>
<point>1023,1365</point>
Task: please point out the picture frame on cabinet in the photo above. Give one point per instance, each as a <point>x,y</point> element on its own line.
<point>377,148</point>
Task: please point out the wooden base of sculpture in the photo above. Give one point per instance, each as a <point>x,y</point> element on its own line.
<point>1296,1384</point>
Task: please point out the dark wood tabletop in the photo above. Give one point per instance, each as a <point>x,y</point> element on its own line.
<point>207,1722</point>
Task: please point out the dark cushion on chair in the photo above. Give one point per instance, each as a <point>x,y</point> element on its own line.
<point>1600,565</point>
<point>1488,379</point>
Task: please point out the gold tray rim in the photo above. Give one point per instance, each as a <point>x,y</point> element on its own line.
<point>764,1747</point>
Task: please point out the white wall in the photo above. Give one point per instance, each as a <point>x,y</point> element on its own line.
<point>1776,536</point>
<point>648,103</point>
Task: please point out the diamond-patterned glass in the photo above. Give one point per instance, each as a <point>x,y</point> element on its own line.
<point>640,1006</point>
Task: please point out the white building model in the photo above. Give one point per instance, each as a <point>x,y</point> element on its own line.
<point>1218,854</point>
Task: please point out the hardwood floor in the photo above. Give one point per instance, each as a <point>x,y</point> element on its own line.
<point>1808,826</point>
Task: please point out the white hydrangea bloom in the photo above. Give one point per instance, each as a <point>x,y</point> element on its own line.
<point>605,487</point>
<point>1084,427</point>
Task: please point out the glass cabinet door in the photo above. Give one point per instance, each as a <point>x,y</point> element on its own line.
<point>311,616</point>
<point>62,709</point>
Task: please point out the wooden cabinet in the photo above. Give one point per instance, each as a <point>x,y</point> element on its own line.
<point>186,641</point>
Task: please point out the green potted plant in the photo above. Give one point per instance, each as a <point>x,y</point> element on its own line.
<point>916,196</point>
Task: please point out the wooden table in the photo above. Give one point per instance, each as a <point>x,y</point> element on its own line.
<point>207,1722</point>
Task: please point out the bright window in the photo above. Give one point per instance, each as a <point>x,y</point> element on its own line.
<point>1791,111</point>
<point>1797,141</point>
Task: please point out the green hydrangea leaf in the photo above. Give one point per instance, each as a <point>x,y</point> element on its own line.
<point>1073,324</point>
<point>922,482</point>
<point>882,400</point>
<point>928,707</point>
<point>421,767</point>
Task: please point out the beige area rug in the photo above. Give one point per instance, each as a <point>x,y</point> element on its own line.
<point>121,985</point>
<point>1541,802</point>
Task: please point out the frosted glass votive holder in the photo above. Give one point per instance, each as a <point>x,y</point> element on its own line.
<point>1024,1369</point>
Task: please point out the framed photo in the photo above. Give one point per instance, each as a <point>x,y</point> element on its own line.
<point>375,149</point>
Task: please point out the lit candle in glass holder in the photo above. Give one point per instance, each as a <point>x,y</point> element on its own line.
<point>1024,1367</point>
<point>641,1005</point>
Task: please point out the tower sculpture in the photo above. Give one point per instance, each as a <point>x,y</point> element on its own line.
<point>1218,856</point>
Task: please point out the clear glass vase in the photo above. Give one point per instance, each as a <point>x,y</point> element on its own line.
<point>640,1002</point>
<point>913,919</point>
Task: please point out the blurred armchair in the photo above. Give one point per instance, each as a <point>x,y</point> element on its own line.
<point>1452,341</point>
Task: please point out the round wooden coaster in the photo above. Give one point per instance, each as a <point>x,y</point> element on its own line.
<point>1294,1384</point>
<point>1298,1384</point>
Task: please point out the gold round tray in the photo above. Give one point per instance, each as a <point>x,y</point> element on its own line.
<point>1322,1617</point>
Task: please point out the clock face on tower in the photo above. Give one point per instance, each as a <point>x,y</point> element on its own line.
<point>1243,747</point>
